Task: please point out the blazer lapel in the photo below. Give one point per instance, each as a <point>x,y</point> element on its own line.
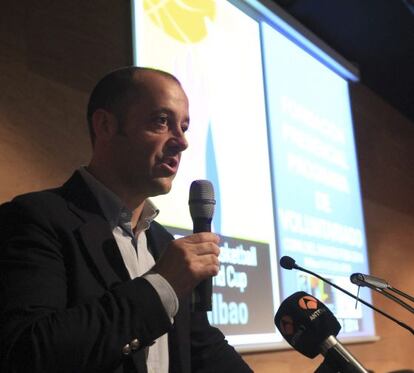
<point>94,234</point>
<point>158,238</point>
<point>101,247</point>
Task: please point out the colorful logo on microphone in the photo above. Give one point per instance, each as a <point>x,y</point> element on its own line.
<point>286,325</point>
<point>308,303</point>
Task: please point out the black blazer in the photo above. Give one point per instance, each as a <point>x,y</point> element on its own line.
<point>67,303</point>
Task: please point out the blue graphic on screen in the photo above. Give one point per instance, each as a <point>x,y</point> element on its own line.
<point>318,211</point>
<point>212,175</point>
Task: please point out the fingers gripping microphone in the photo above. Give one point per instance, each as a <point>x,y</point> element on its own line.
<point>310,328</point>
<point>202,202</point>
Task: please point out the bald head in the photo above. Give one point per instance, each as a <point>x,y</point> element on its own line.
<point>118,89</point>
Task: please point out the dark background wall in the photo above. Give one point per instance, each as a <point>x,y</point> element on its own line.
<point>52,53</point>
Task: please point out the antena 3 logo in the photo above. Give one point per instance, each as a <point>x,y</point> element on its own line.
<point>308,303</point>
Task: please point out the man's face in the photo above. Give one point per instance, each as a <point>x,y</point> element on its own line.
<point>147,149</point>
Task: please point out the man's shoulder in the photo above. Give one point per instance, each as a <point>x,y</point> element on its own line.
<point>33,200</point>
<point>33,206</point>
<point>74,188</point>
<point>52,202</point>
<point>37,196</point>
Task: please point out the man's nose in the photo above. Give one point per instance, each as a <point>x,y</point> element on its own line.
<point>179,141</point>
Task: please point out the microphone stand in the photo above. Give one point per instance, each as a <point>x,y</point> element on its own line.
<point>393,297</point>
<point>405,326</point>
<point>330,366</point>
<point>399,292</point>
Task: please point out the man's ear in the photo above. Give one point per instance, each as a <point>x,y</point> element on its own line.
<point>105,125</point>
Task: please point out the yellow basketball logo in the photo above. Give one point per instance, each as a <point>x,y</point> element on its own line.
<point>184,20</point>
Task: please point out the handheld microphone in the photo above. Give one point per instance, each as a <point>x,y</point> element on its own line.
<point>289,263</point>
<point>201,202</point>
<point>311,328</point>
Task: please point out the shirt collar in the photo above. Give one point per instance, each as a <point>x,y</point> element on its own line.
<point>149,213</point>
<point>115,212</point>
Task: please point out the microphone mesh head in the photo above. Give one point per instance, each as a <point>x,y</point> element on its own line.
<point>201,200</point>
<point>287,262</point>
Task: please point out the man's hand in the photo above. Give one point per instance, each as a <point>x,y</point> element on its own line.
<point>188,260</point>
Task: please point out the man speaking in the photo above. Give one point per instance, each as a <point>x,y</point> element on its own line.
<point>89,282</point>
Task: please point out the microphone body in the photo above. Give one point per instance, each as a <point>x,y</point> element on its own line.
<point>310,328</point>
<point>339,358</point>
<point>201,225</point>
<point>201,203</point>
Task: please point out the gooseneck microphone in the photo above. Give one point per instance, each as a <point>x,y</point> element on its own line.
<point>381,286</point>
<point>367,280</point>
<point>202,202</point>
<point>289,263</point>
<point>311,328</point>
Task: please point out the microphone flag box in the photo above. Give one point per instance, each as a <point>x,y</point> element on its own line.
<point>305,323</point>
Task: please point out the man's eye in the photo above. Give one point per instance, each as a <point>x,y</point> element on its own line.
<point>162,120</point>
<point>160,123</point>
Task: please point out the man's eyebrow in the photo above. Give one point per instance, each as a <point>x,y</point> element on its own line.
<point>165,110</point>
<point>162,110</point>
